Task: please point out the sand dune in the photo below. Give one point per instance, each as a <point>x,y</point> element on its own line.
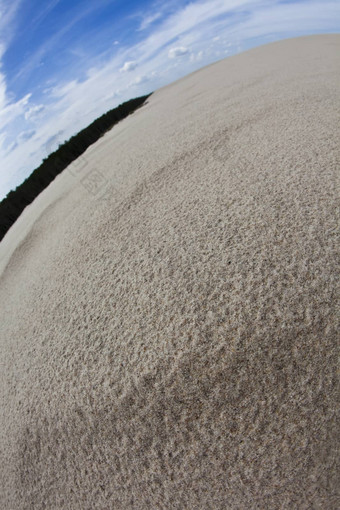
<point>168,318</point>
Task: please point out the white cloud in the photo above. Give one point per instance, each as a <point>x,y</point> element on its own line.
<point>33,112</point>
<point>197,57</point>
<point>10,111</point>
<point>140,79</point>
<point>177,52</point>
<point>112,95</point>
<point>128,66</point>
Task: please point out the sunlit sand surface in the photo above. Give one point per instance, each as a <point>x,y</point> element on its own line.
<point>168,320</point>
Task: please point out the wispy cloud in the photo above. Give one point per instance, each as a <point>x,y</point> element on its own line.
<point>8,10</point>
<point>44,12</point>
<point>149,20</point>
<point>34,111</point>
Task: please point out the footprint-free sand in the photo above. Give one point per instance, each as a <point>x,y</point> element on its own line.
<point>168,303</point>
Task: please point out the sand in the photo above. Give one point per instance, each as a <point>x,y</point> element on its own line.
<point>168,303</point>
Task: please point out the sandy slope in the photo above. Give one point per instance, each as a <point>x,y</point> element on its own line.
<point>168,319</point>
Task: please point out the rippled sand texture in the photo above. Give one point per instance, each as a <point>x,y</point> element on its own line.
<point>168,318</point>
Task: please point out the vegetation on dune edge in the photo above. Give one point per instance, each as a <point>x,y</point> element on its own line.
<point>16,201</point>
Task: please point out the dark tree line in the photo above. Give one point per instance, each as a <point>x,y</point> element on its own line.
<point>15,202</point>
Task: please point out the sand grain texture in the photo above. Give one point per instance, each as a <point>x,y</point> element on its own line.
<point>169,341</point>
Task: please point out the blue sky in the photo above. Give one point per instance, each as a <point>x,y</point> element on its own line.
<point>63,63</point>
